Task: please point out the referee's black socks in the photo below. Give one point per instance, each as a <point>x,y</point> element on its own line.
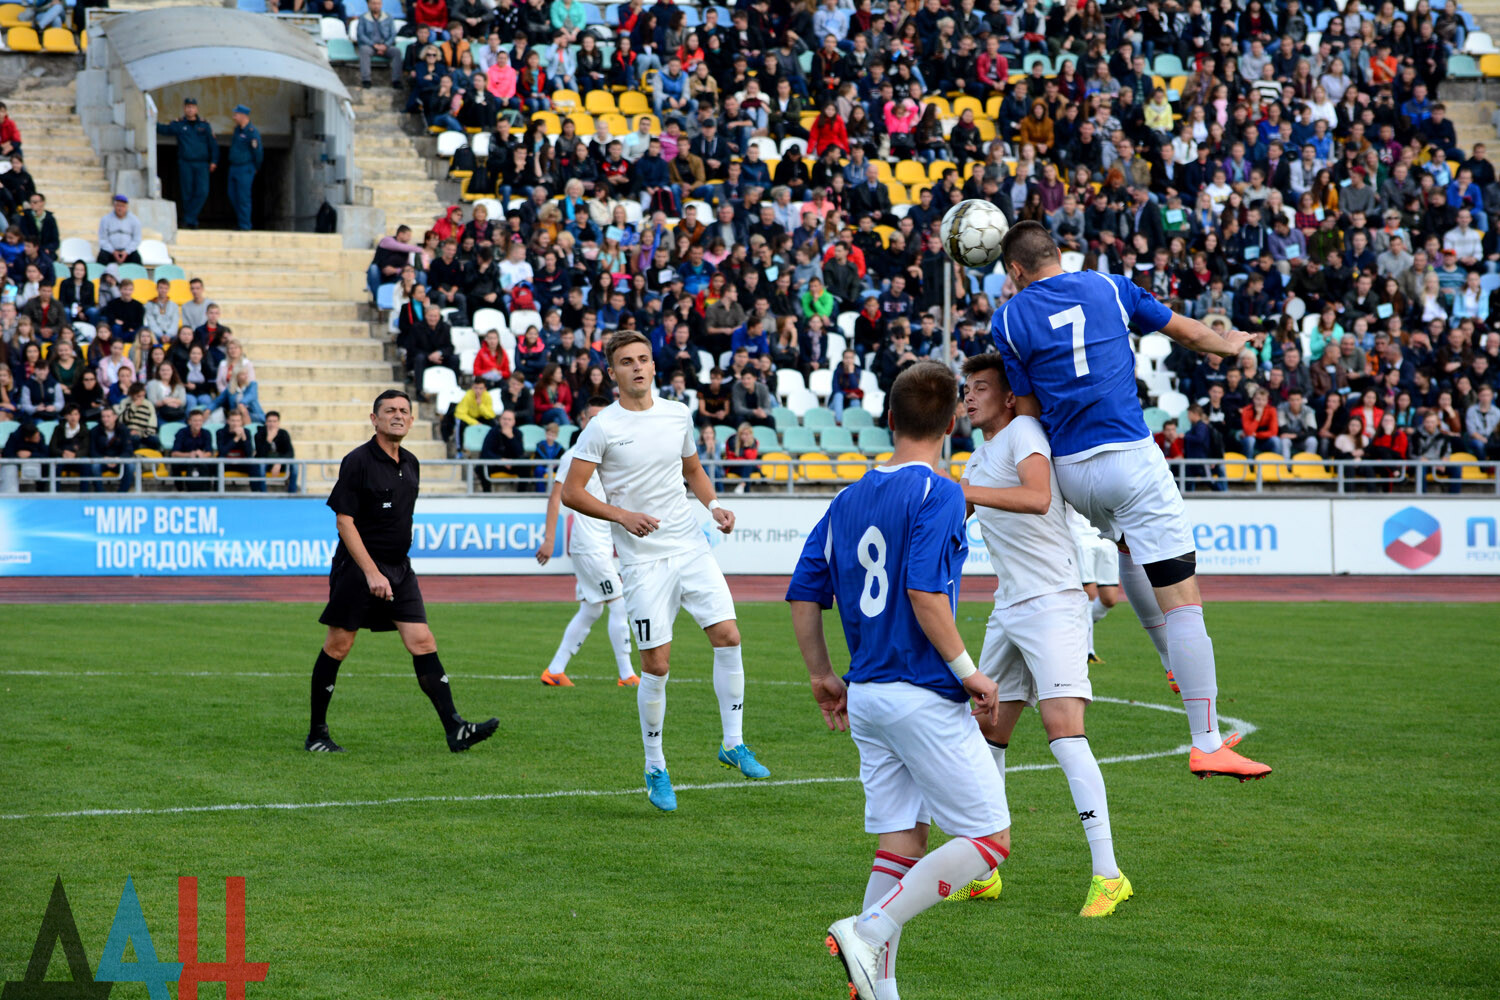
<point>435,685</point>
<point>324,676</point>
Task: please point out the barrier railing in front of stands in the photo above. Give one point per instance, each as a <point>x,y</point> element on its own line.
<point>476,476</point>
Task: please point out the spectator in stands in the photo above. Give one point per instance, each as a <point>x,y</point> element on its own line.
<point>193,441</point>
<point>234,442</point>
<point>446,278</point>
<point>715,400</point>
<point>502,442</point>
<point>48,317</point>
<point>10,132</point>
<point>162,315</point>
<point>392,254</point>
<point>1297,425</point>
<point>109,438</point>
<point>552,399</point>
<point>274,443</point>
<point>197,376</point>
<point>752,402</point>
<point>375,37</point>
<point>9,395</point>
<point>124,315</point>
<point>1482,425</point>
<point>167,393</point>
<point>234,362</point>
<point>111,366</point>
<point>492,363</point>
<point>139,417</point>
<point>70,440</point>
<point>242,396</point>
<point>17,185</point>
<point>24,443</point>
<point>195,310</point>
<point>77,293</point>
<point>709,453</point>
<point>431,344</point>
<point>120,234</point>
<point>846,384</point>
<point>38,224</point>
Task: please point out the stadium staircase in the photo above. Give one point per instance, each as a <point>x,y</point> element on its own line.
<point>296,300</point>
<point>398,172</point>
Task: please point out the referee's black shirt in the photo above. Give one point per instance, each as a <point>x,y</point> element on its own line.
<point>381,495</point>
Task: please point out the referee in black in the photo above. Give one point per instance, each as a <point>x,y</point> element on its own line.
<point>371,584</point>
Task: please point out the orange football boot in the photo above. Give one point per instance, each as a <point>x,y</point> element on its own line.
<point>556,680</point>
<point>633,681</point>
<point>1226,762</point>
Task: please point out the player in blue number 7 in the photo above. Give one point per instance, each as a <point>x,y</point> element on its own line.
<point>890,550</point>
<point>1065,340</point>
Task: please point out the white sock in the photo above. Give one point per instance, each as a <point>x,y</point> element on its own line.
<point>573,636</point>
<point>729,685</point>
<point>887,870</point>
<point>619,638</point>
<point>1097,609</point>
<point>1076,758</point>
<point>1142,597</point>
<point>930,881</point>
<point>1091,637</point>
<point>997,751</point>
<point>651,702</point>
<point>1191,653</point>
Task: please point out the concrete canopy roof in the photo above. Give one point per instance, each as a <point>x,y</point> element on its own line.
<point>171,45</point>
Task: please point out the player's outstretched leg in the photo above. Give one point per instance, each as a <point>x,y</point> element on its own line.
<point>461,733</point>
<point>729,687</point>
<point>619,641</point>
<point>1142,598</point>
<point>324,676</point>
<point>572,640</point>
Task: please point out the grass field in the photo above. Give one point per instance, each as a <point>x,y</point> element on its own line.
<point>1357,870</point>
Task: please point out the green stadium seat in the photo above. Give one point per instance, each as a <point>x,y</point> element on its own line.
<point>836,440</point>
<point>856,417</point>
<point>341,50</point>
<point>531,436</point>
<point>766,439</point>
<point>1462,67</point>
<point>474,436</point>
<point>1155,417</point>
<point>784,417</point>
<point>797,440</point>
<point>875,440</point>
<point>566,433</point>
<point>819,416</point>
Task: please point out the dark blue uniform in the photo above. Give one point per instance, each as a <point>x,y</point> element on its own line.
<point>196,151</point>
<point>246,152</point>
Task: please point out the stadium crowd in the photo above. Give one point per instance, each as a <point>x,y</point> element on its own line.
<point>759,188</point>
<point>99,362</point>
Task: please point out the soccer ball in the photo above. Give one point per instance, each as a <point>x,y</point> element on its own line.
<point>972,231</point>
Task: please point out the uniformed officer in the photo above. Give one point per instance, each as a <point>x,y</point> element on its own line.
<point>196,152</point>
<point>246,153</point>
<point>371,584</point>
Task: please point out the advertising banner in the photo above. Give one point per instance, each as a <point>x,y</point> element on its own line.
<point>1417,535</point>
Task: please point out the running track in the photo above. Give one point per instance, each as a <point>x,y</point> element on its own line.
<point>458,589</point>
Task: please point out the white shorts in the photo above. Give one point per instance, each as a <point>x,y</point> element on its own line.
<point>598,577</point>
<point>656,590</point>
<point>1131,495</point>
<point>1099,562</point>
<point>1039,648</point>
<point>922,759</point>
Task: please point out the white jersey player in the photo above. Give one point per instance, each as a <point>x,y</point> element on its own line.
<point>643,448</point>
<point>592,550</point>
<point>1036,643</point>
<point>1098,568</point>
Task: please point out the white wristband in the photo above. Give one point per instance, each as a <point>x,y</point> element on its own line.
<point>962,665</point>
<point>714,504</point>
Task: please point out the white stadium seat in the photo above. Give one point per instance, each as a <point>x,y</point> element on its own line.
<point>449,143</point>
<point>154,253</point>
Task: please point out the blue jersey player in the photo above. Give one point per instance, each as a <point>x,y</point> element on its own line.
<point>889,551</point>
<point>1066,344</point>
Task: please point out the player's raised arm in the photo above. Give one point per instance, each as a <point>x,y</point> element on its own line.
<point>1196,336</point>
<point>703,488</point>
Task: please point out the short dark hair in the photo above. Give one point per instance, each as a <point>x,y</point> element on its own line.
<point>922,400</point>
<point>990,361</point>
<point>600,401</point>
<point>1029,246</point>
<point>389,394</point>
<point>626,339</point>
<point>273,413</point>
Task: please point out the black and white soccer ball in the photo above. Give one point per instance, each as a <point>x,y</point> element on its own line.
<point>972,231</point>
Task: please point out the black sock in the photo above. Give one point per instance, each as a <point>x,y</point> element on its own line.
<point>435,685</point>
<point>997,746</point>
<point>325,674</point>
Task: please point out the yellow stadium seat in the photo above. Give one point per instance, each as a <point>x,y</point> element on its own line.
<point>807,119</point>
<point>151,471</point>
<point>885,234</point>
<point>599,102</point>
<point>23,39</point>
<point>986,129</point>
<point>10,15</point>
<point>936,167</point>
<point>1236,467</point>
<point>1489,64</point>
<point>551,123</point>
<point>1469,467</point>
<point>956,464</point>
<point>883,171</point>
<point>779,472</point>
<point>898,194</point>
<point>616,124</point>
<point>83,40</point>
<point>1177,83</point>
<point>813,467</point>
<point>969,103</point>
<point>496,477</point>
<point>884,456</point>
<point>1309,471</point>
<point>1272,467</point>
<point>992,105</point>
<point>180,292</point>
<point>59,40</point>
<point>771,166</point>
<point>941,103</point>
<point>851,466</point>
<point>566,100</point>
<point>584,122</point>
<point>633,102</point>
<point>910,172</point>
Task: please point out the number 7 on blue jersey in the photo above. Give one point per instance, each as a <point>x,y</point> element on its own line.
<point>1073,315</point>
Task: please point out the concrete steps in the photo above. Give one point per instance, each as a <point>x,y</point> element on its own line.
<point>275,307</point>
<point>299,350</point>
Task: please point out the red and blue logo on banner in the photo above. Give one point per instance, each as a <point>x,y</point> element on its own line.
<point>1412,538</point>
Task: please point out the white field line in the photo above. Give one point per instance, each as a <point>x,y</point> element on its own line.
<point>1243,726</point>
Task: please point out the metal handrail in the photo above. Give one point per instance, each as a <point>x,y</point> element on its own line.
<point>1203,478</point>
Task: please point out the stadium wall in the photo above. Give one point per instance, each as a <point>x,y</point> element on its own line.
<point>182,536</point>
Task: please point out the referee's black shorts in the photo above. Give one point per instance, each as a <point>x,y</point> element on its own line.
<point>351,606</point>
